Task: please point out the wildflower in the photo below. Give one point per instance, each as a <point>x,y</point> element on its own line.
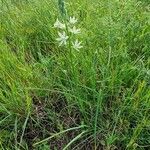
<point>58,24</point>
<point>74,30</point>
<point>62,38</point>
<point>72,20</point>
<point>77,45</point>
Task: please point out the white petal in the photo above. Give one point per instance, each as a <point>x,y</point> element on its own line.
<point>58,39</point>
<point>73,20</point>
<point>61,42</point>
<point>59,34</point>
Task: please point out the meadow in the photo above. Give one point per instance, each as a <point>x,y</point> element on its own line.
<point>74,75</point>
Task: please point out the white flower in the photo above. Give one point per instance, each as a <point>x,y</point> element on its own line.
<point>62,38</point>
<point>74,30</point>
<point>72,20</point>
<point>58,24</point>
<point>77,45</point>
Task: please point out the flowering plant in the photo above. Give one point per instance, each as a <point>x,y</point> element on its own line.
<point>67,33</point>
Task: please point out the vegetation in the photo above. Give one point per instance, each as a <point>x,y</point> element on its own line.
<point>94,95</point>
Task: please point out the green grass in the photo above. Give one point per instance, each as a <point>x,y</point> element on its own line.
<point>53,97</point>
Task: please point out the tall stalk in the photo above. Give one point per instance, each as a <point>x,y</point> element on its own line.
<point>61,5</point>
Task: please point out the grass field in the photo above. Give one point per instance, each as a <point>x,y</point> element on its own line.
<point>74,75</point>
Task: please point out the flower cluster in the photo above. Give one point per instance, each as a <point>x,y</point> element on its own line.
<point>66,31</point>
